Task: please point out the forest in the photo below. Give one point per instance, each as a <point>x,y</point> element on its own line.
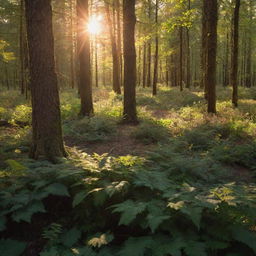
<point>127,127</point>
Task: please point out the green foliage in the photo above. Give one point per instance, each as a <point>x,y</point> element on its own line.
<point>150,132</point>
<point>94,129</point>
<point>11,247</point>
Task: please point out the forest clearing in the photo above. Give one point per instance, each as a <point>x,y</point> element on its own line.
<point>127,128</point>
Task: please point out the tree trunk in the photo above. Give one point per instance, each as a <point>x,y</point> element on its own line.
<point>119,39</point>
<point>144,65</point>
<point>83,44</point>
<point>188,83</point>
<point>155,78</point>
<point>234,53</point>
<point>72,68</point>
<point>116,66</point>
<point>46,120</point>
<point>129,114</point>
<point>181,59</point>
<point>211,14</point>
<point>203,52</point>
<point>149,49</point>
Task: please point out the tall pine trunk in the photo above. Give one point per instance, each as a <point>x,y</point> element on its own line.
<point>129,114</point>
<point>210,10</point>
<point>46,120</point>
<point>155,78</point>
<point>83,44</point>
<point>115,58</point>
<point>234,52</point>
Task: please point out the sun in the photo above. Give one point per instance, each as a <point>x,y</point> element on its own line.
<point>94,26</point>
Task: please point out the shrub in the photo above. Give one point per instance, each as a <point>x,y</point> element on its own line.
<point>94,129</point>
<point>151,132</point>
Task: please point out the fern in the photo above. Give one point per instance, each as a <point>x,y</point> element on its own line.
<point>129,210</point>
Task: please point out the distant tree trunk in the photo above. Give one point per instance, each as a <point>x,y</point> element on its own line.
<point>149,49</point>
<point>144,65</point>
<point>116,66</point>
<point>155,78</point>
<point>119,39</point>
<point>139,67</point>
<point>181,59</point>
<point>21,45</point>
<point>149,64</point>
<point>129,114</point>
<point>234,53</point>
<point>83,44</point>
<point>72,68</point>
<point>166,72</point>
<point>211,13</point>
<point>46,120</point>
<point>104,65</point>
<point>226,63</point>
<point>203,52</point>
<point>188,83</point>
<point>248,72</point>
<point>96,63</point>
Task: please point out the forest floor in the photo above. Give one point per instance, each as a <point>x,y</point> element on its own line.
<point>201,166</point>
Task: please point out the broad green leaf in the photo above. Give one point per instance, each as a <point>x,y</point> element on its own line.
<point>57,189</point>
<point>154,221</point>
<point>26,213</point>
<point>78,198</point>
<point>71,237</point>
<point>194,213</point>
<point>163,246</point>
<point>194,248</point>
<point>156,214</point>
<point>129,210</point>
<point>247,237</point>
<point>10,247</point>
<point>152,180</point>
<point>136,246</point>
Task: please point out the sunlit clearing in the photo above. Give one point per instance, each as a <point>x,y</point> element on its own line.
<point>94,25</point>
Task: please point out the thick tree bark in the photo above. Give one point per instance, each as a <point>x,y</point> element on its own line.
<point>116,64</point>
<point>211,13</point>
<point>129,114</point>
<point>234,53</point>
<point>155,78</point>
<point>46,120</point>
<point>83,44</point>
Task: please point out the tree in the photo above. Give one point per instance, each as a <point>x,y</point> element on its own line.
<point>46,120</point>
<point>210,10</point>
<point>115,55</point>
<point>83,44</point>
<point>234,53</point>
<point>155,78</point>
<point>129,114</point>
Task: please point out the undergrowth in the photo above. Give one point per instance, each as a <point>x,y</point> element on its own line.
<point>193,195</point>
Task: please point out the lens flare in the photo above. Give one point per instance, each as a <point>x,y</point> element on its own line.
<point>94,26</point>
